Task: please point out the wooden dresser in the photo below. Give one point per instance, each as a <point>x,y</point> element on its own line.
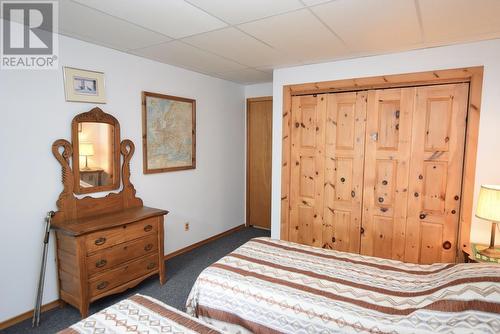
<point>108,244</point>
<point>103,255</point>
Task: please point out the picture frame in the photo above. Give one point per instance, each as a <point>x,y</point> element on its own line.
<point>168,133</point>
<point>84,85</point>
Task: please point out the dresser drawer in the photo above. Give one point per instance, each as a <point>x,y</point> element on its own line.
<point>114,236</point>
<point>121,275</point>
<point>141,228</point>
<point>116,255</point>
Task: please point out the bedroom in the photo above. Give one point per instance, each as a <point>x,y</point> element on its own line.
<point>212,57</point>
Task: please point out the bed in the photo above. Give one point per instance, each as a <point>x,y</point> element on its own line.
<point>272,286</point>
<point>140,314</point>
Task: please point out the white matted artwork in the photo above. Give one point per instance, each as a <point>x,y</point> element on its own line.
<point>84,86</point>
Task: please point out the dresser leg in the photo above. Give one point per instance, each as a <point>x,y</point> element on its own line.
<point>163,276</point>
<point>161,253</point>
<point>84,310</point>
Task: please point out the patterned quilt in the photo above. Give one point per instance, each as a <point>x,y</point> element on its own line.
<point>140,314</point>
<point>272,286</point>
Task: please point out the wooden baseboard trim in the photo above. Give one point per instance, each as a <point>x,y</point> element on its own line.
<point>29,314</point>
<point>261,227</point>
<point>203,242</point>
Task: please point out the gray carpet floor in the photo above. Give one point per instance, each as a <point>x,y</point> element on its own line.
<point>182,272</point>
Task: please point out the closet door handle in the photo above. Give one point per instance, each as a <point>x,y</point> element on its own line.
<point>446,245</point>
<point>362,230</point>
<point>422,216</point>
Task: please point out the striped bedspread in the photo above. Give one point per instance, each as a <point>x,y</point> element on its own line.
<point>272,286</point>
<point>140,314</point>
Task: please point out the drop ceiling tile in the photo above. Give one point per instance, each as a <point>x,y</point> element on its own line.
<point>247,76</point>
<point>299,34</point>
<point>99,28</point>
<point>372,25</point>
<point>174,18</point>
<point>314,2</point>
<point>459,20</point>
<point>240,11</point>
<point>234,44</point>
<point>183,55</point>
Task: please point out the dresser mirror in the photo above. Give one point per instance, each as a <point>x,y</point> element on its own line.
<point>96,156</point>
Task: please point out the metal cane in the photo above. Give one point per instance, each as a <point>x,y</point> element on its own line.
<point>41,279</point>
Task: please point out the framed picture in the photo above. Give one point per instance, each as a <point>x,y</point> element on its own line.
<point>84,86</point>
<point>168,133</point>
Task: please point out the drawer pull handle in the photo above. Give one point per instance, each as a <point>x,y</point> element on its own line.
<point>151,265</point>
<point>446,245</point>
<point>100,241</point>
<point>148,228</point>
<point>422,216</point>
<point>148,247</point>
<point>102,285</point>
<point>101,263</point>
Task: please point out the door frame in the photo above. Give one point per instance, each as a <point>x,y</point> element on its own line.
<point>471,75</point>
<point>247,153</point>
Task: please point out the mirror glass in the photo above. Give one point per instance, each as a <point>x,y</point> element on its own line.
<point>96,154</point>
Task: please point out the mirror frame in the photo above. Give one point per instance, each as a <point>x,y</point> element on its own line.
<point>96,115</point>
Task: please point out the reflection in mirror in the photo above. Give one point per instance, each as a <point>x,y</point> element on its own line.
<point>96,151</point>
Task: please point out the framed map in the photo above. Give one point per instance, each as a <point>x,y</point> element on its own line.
<point>168,133</point>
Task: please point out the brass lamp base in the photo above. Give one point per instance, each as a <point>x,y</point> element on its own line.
<point>490,252</point>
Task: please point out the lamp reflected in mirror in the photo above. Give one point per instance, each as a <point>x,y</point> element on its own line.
<point>86,150</point>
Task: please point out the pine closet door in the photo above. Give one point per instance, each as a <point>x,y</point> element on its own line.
<point>307,157</point>
<point>327,147</point>
<point>343,186</point>
<point>413,172</point>
<point>438,141</point>
<point>387,158</point>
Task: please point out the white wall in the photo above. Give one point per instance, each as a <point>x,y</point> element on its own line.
<point>258,90</point>
<point>485,53</point>
<point>34,114</point>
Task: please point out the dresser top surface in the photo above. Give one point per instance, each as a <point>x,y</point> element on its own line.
<point>95,223</point>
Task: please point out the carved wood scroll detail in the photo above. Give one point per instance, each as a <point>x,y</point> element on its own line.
<point>127,149</point>
<point>96,115</point>
<point>66,201</point>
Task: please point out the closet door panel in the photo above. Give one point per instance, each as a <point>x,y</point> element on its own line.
<point>307,169</point>
<point>387,155</point>
<point>343,185</point>
<point>436,173</point>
